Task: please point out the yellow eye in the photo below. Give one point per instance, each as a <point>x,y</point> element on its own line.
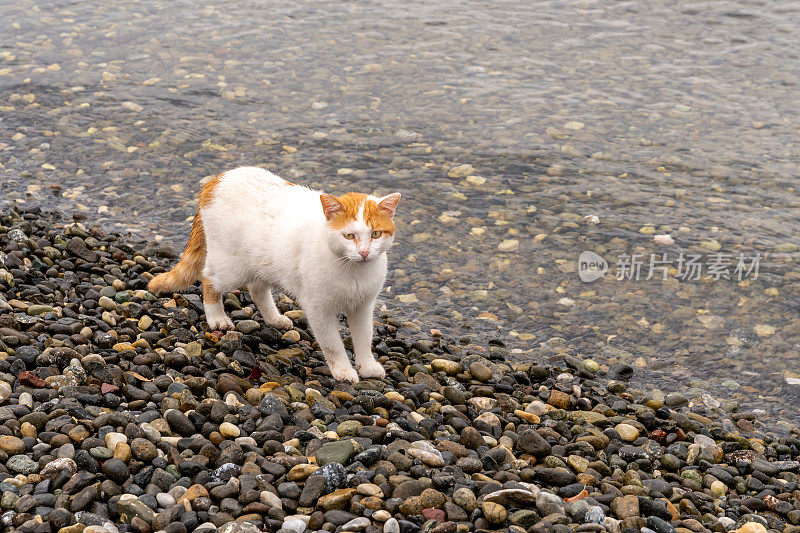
<point>376,234</point>
<point>349,236</point>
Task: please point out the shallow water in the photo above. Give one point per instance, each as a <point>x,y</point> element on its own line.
<point>673,118</point>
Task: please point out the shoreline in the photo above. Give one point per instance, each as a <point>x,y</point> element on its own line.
<point>121,411</point>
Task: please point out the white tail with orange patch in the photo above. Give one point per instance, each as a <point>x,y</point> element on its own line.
<point>253,228</point>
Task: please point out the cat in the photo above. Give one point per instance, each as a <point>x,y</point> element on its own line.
<point>329,253</point>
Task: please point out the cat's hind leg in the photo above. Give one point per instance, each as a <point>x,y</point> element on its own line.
<point>262,296</point>
<point>215,311</point>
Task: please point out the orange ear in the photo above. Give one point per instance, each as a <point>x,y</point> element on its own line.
<point>331,205</point>
<point>389,203</point>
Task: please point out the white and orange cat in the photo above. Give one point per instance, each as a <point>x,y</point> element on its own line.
<point>255,229</point>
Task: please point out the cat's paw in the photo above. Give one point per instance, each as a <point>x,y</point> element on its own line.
<point>372,369</point>
<point>280,322</point>
<point>221,323</point>
<point>343,373</point>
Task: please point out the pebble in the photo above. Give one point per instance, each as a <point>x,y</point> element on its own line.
<point>480,371</point>
<point>465,499</point>
<point>752,527</point>
<point>22,464</point>
<point>627,432</point>
<point>356,524</point>
<point>625,506</point>
<point>12,445</point>
<point>294,525</point>
<point>229,430</point>
<point>595,515</point>
<point>494,512</point>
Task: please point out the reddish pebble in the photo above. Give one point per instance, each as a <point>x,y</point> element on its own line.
<point>30,379</point>
<point>433,514</point>
<point>105,388</point>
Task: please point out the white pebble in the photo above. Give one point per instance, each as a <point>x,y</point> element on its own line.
<point>271,499</point>
<point>114,438</point>
<point>232,401</point>
<point>356,524</point>
<point>294,525</point>
<point>26,399</point>
<point>391,526</point>
<point>536,407</point>
<point>165,500</point>
<point>249,441</point>
<point>5,390</point>
<point>229,430</point>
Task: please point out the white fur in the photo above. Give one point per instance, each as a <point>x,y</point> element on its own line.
<point>267,234</point>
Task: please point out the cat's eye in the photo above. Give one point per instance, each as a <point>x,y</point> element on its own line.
<point>349,236</point>
<point>376,234</point>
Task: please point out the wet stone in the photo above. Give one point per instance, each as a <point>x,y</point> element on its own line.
<point>11,445</point>
<point>532,443</point>
<point>480,371</point>
<point>22,464</point>
<point>335,452</point>
<point>625,506</point>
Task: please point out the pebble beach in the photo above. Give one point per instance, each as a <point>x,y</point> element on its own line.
<point>521,395</point>
<point>520,134</point>
<point>121,412</point>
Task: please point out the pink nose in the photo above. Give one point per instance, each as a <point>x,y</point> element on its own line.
<point>364,253</point>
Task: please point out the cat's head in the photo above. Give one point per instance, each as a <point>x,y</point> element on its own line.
<point>360,227</point>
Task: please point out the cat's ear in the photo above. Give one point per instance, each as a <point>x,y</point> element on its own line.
<point>331,205</point>
<point>389,203</point>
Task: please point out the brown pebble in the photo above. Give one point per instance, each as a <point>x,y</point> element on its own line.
<point>291,336</point>
<point>559,400</point>
<point>122,451</point>
<point>194,492</point>
<point>28,430</point>
<point>216,438</point>
<point>79,434</point>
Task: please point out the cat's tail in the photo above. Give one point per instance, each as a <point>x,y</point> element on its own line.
<point>189,268</point>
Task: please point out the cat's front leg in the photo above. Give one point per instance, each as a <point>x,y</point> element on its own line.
<point>360,321</point>
<point>325,327</point>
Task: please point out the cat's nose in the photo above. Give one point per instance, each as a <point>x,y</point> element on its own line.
<point>364,253</point>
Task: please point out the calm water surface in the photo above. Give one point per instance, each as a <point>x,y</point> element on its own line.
<point>519,133</point>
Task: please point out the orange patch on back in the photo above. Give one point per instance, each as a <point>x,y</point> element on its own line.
<point>207,192</point>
